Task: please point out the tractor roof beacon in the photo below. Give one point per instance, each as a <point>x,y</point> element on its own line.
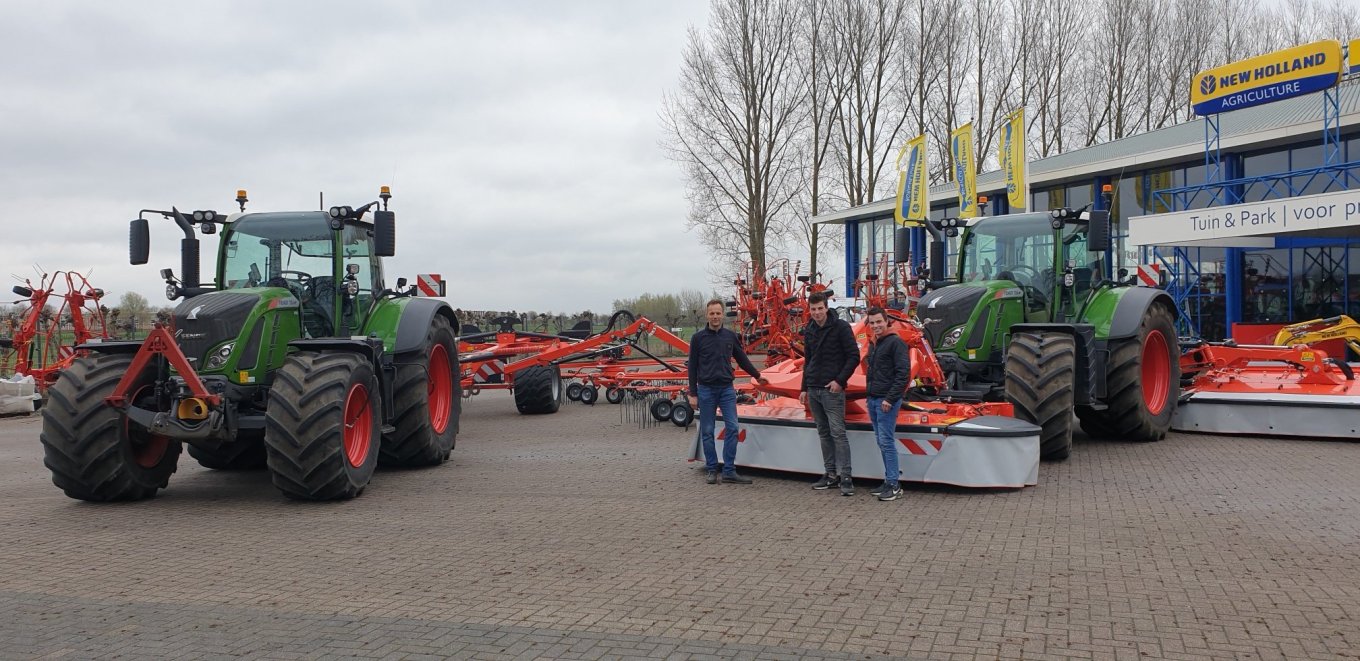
<point>1032,317</point>
<point>296,356</point>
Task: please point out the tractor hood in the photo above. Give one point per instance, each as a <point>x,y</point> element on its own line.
<point>205,321</point>
<point>947,307</point>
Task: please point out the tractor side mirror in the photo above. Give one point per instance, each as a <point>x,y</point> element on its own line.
<point>139,241</point>
<point>902,245</point>
<point>384,233</point>
<point>1098,231</point>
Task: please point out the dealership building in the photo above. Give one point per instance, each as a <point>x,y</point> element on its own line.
<point>1250,214</point>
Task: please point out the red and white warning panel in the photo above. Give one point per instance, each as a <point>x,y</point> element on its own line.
<point>1150,275</point>
<point>429,284</point>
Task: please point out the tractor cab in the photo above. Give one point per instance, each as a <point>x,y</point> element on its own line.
<point>333,273</point>
<point>1044,255</point>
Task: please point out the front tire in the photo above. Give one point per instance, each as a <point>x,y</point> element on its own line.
<point>93,452</point>
<point>323,426</point>
<point>427,400</point>
<point>1142,382</point>
<point>1040,373</point>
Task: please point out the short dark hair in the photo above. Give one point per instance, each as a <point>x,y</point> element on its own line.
<point>819,297</point>
<point>875,310</point>
<point>712,302</point>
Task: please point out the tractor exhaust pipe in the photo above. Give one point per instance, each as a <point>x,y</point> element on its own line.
<point>188,251</point>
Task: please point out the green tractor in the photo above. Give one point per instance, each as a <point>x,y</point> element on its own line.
<point>297,357</point>
<point>1029,319</point>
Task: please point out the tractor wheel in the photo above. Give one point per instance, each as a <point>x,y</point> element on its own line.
<point>93,453</point>
<point>661,409</point>
<point>589,395</point>
<point>1040,374</point>
<point>1142,382</point>
<point>574,392</point>
<point>426,400</point>
<point>682,415</point>
<point>613,395</point>
<point>323,426</point>
<point>244,453</point>
<point>538,389</point>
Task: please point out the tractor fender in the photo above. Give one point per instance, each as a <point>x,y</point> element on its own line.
<point>1133,305</point>
<point>416,316</point>
<point>111,346</point>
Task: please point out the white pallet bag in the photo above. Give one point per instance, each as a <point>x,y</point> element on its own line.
<point>18,394</point>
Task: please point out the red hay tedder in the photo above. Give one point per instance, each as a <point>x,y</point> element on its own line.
<point>43,341</point>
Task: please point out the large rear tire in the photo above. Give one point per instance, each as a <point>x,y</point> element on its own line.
<point>93,453</point>
<point>1142,383</point>
<point>428,402</point>
<point>1040,374</point>
<point>323,426</point>
<point>538,389</point>
<point>244,453</point>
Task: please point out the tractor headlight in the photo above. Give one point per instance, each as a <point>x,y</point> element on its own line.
<point>952,338</point>
<point>352,287</point>
<point>171,291</point>
<point>218,359</point>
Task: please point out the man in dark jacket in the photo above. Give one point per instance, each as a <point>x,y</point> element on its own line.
<point>830,357</point>
<point>710,388</point>
<point>887,372</point>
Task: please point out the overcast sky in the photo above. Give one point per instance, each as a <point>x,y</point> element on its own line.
<point>521,139</point>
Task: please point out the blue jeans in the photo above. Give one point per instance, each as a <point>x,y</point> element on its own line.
<point>885,424</point>
<point>711,399</point>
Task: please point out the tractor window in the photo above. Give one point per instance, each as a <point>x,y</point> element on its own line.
<point>1016,247</point>
<point>357,253</point>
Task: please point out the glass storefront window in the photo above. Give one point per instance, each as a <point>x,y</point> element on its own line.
<point>1079,195</point>
<point>1263,164</point>
<point>1039,200</point>
<point>1265,286</point>
<point>1321,291</point>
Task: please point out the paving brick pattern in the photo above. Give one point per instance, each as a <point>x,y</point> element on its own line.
<point>580,535</point>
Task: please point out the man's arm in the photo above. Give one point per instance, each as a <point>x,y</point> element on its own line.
<point>692,366</point>
<point>846,338</point>
<point>740,355</point>
<point>901,368</point>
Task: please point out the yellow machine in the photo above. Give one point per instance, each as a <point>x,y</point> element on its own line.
<point>1320,330</point>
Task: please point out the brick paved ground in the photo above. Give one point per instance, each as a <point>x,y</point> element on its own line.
<point>580,535</point>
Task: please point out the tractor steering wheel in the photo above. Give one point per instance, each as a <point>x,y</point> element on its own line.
<point>302,278</point>
<point>1016,272</point>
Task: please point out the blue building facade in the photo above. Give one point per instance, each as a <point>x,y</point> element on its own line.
<point>1266,153</point>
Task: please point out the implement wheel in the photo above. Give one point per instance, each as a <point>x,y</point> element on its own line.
<point>244,453</point>
<point>538,389</point>
<point>1040,373</point>
<point>427,401</point>
<point>661,409</point>
<point>613,395</point>
<point>323,426</point>
<point>1142,382</point>
<point>589,395</point>
<point>93,453</point>
<point>574,392</point>
<point>681,414</point>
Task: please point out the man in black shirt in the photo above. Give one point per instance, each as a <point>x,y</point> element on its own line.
<point>710,389</point>
<point>831,356</point>
<point>887,372</point>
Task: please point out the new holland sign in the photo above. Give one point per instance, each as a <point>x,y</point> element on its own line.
<point>1267,78</point>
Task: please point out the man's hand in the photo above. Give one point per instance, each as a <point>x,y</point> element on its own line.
<point>835,387</point>
<point>802,398</point>
<point>887,405</point>
<point>693,402</point>
<point>762,381</point>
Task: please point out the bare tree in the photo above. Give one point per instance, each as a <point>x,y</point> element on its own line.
<point>825,73</point>
<point>734,124</point>
<point>871,118</point>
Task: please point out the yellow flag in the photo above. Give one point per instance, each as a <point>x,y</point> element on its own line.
<point>913,203</point>
<point>1013,160</point>
<point>961,143</point>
